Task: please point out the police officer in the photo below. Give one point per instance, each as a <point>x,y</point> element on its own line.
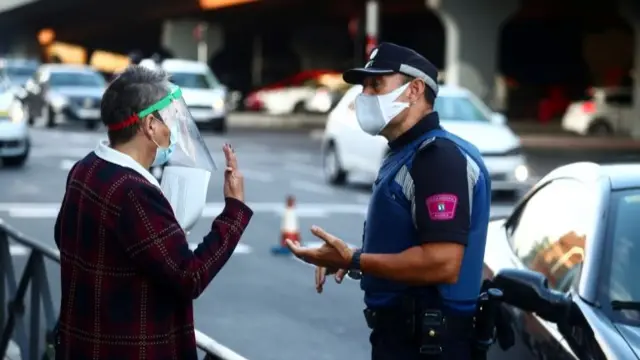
<point>424,236</point>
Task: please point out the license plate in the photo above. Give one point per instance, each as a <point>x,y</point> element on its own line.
<point>89,113</point>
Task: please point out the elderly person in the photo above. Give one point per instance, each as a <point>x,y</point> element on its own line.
<point>128,276</point>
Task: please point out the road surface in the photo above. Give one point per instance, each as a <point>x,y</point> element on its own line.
<point>262,306</point>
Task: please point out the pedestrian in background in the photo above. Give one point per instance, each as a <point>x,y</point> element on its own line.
<point>425,232</point>
<point>128,276</point>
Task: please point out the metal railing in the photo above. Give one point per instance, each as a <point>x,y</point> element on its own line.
<point>37,343</point>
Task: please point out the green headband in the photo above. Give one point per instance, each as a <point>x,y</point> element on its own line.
<point>175,94</point>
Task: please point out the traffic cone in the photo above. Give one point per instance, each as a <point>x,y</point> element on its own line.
<point>289,229</point>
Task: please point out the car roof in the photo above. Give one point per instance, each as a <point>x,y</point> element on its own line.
<point>184,65</point>
<point>67,68</point>
<point>621,176</point>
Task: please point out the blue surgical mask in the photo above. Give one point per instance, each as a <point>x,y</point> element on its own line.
<point>163,154</point>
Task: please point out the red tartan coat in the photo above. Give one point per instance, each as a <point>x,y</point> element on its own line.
<point>128,277</point>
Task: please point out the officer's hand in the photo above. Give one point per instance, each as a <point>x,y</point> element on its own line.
<point>321,276</point>
<point>334,253</point>
<point>233,179</point>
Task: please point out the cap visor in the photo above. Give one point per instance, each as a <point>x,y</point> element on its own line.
<point>356,76</point>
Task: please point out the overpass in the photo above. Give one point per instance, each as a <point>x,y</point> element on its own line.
<point>253,42</point>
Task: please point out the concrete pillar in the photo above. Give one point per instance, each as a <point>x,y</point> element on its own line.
<point>24,43</point>
<point>472,33</point>
<point>178,36</point>
<point>372,26</point>
<point>630,10</point>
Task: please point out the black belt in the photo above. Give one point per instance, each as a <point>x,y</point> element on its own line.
<point>399,318</point>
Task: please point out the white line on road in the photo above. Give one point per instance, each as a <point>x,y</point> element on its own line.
<point>310,187</point>
<point>19,250</point>
<point>67,164</point>
<point>304,170</point>
<point>257,175</point>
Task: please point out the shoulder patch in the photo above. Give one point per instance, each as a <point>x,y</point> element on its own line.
<point>442,206</point>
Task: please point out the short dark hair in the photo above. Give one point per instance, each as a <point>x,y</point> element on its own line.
<point>428,93</point>
<point>129,93</point>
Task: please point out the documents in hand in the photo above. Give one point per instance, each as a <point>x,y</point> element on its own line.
<point>186,190</point>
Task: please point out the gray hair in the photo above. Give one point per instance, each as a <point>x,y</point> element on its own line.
<point>129,93</point>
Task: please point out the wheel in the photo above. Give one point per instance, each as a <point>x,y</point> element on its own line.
<point>600,128</point>
<point>220,126</point>
<point>15,161</point>
<point>332,167</point>
<point>91,125</point>
<point>299,108</point>
<point>51,117</point>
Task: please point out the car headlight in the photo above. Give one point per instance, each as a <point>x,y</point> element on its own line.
<point>16,114</point>
<point>58,102</point>
<point>521,173</point>
<point>218,104</point>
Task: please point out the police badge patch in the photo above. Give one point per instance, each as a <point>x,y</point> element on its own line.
<point>442,206</point>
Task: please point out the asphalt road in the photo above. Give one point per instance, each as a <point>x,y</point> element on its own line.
<point>260,305</point>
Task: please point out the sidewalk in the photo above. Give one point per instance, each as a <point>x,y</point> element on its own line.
<point>551,136</point>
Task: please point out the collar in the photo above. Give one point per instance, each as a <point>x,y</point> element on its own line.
<point>430,122</point>
<point>109,154</point>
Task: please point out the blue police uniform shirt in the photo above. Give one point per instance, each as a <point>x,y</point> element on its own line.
<point>432,187</point>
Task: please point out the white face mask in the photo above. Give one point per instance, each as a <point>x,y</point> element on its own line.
<point>374,112</point>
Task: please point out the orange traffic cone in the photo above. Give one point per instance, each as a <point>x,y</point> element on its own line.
<point>289,229</point>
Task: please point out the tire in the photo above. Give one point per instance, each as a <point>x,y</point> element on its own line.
<point>15,161</point>
<point>299,108</point>
<point>600,128</point>
<point>332,167</point>
<point>51,117</point>
<point>91,125</point>
<point>220,126</point>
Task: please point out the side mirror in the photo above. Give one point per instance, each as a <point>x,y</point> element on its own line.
<point>529,290</point>
<point>498,118</point>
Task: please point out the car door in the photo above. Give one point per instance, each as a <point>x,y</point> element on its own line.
<point>547,233</point>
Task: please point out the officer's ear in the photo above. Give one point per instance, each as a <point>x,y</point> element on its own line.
<point>417,88</point>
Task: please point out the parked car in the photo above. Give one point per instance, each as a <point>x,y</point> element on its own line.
<point>312,91</point>
<point>14,131</point>
<point>604,112</point>
<point>61,93</point>
<point>566,260</point>
<point>347,149</point>
<point>18,71</point>
<point>202,92</point>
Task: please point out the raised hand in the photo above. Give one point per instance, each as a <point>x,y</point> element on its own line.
<point>233,179</point>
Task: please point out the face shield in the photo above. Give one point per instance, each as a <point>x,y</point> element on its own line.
<point>190,149</point>
<point>186,179</point>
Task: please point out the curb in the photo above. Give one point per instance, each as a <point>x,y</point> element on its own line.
<point>575,143</point>
<point>265,121</point>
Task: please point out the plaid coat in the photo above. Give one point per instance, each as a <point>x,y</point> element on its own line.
<point>128,277</point>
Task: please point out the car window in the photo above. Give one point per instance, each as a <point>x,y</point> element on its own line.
<point>550,234</point>
<point>620,99</point>
<point>623,278</point>
<point>189,80</point>
<point>459,108</point>
<point>80,79</point>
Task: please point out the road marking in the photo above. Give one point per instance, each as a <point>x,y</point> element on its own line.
<point>67,164</point>
<point>307,210</point>
<point>19,250</point>
<point>304,170</point>
<point>310,187</point>
<point>257,175</point>
<point>42,152</point>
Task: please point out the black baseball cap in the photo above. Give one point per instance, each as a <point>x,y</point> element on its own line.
<point>389,59</point>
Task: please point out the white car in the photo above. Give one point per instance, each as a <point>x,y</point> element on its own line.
<point>605,112</point>
<point>349,150</point>
<point>202,92</point>
<point>14,131</point>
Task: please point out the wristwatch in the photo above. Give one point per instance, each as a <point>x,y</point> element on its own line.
<point>355,260</point>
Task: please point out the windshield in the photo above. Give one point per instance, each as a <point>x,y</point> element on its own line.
<point>195,80</point>
<point>458,108</point>
<point>625,250</point>
<point>19,72</point>
<point>77,79</point>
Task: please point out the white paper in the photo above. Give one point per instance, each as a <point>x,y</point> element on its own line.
<point>186,190</point>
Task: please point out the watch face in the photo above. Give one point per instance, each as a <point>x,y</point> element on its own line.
<point>355,274</point>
